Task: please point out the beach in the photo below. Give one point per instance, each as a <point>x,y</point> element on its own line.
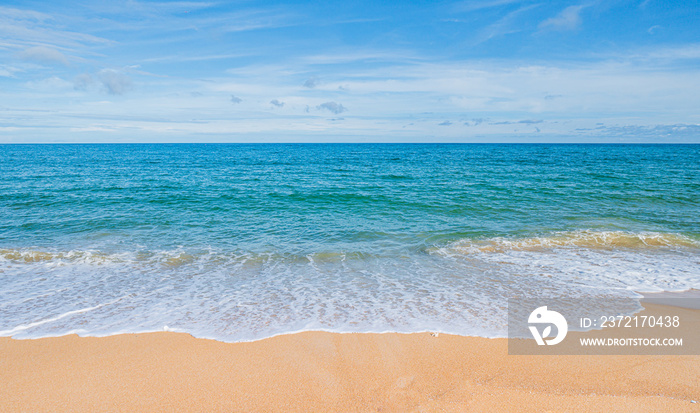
<point>254,206</point>
<point>319,371</point>
<point>343,277</point>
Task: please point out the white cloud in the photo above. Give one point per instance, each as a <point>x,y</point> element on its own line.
<point>18,14</point>
<point>188,58</point>
<point>505,25</point>
<point>49,84</point>
<point>20,29</point>
<point>689,51</point>
<point>8,71</point>
<point>255,19</point>
<point>115,82</point>
<point>311,82</point>
<point>332,107</point>
<point>568,19</point>
<point>683,131</point>
<point>390,101</point>
<point>82,81</point>
<point>43,54</point>
<point>350,56</point>
<point>472,90</point>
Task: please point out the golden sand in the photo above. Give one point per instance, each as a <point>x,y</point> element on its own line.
<point>316,371</point>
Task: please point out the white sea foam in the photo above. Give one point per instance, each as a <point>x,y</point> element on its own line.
<point>459,288</point>
<point>38,323</point>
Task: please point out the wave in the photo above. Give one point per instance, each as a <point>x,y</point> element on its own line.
<point>28,255</point>
<point>172,258</point>
<point>582,239</point>
<point>460,287</point>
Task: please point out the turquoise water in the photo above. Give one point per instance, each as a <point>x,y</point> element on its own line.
<point>240,242</point>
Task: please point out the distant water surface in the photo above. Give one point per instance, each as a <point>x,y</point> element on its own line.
<point>240,242</point>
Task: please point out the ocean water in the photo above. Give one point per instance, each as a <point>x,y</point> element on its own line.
<point>241,242</point>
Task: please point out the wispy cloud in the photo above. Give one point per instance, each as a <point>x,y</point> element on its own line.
<point>26,28</point>
<point>393,56</point>
<point>505,25</point>
<point>657,132</point>
<point>167,7</point>
<point>276,103</point>
<point>653,29</point>
<point>195,58</point>
<point>43,54</point>
<point>8,71</point>
<point>567,19</point>
<point>256,19</point>
<point>552,97</point>
<point>525,122</point>
<point>473,5</point>
<point>82,81</point>
<point>50,84</point>
<point>687,51</point>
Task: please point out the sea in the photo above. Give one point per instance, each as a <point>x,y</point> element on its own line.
<point>239,242</point>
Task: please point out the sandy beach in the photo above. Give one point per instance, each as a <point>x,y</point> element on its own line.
<point>365,206</point>
<point>318,371</point>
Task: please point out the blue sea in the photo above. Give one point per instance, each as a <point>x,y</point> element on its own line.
<point>239,242</point>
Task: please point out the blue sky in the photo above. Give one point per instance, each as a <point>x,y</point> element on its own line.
<point>450,71</point>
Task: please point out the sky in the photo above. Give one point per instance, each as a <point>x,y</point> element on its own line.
<point>284,71</point>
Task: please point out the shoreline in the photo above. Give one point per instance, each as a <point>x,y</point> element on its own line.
<point>666,298</point>
<point>321,371</point>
